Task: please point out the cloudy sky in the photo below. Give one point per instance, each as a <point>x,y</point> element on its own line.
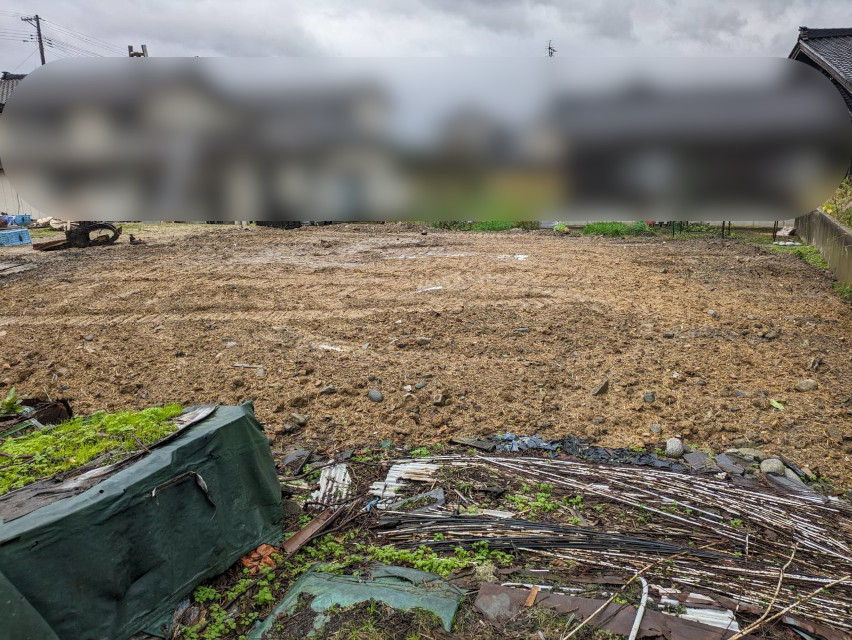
<point>416,28</point>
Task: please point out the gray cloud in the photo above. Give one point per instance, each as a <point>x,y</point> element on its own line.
<point>420,27</point>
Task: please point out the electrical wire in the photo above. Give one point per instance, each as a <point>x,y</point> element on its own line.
<point>91,41</point>
<point>32,53</point>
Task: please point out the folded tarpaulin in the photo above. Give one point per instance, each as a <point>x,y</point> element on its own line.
<point>116,558</point>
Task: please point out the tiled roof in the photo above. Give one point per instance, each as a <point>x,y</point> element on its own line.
<point>8,82</point>
<point>830,50</point>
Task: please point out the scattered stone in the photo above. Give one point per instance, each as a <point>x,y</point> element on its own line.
<point>674,448</point>
<point>771,334</point>
<point>476,443</point>
<point>701,462</point>
<point>543,424</point>
<point>835,434</point>
<point>772,465</point>
<point>700,382</point>
<point>740,394</point>
<point>439,400</point>
<point>664,270</point>
<point>656,429</point>
<point>407,387</point>
<point>754,454</point>
<point>792,475</point>
<point>668,335</point>
<point>601,388</point>
<point>424,341</point>
<point>727,464</point>
<point>598,420</point>
<point>649,397</point>
<point>712,313</point>
<point>299,419</point>
<point>375,395</point>
<point>420,385</point>
<point>523,330</point>
<point>328,390</point>
<point>89,338</point>
<point>806,385</point>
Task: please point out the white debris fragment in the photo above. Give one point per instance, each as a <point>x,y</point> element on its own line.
<point>392,484</point>
<point>438,288</point>
<point>334,484</point>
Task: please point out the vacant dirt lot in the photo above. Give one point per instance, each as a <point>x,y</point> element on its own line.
<point>508,331</point>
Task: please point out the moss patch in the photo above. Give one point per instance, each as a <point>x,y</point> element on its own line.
<point>74,443</point>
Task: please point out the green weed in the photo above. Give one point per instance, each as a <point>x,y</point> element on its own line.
<point>72,444</point>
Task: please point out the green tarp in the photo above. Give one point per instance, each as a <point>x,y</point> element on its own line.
<point>117,558</point>
<point>399,587</point>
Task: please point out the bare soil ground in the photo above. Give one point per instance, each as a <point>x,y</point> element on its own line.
<point>524,326</point>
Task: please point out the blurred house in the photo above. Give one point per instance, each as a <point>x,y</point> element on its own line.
<point>10,201</point>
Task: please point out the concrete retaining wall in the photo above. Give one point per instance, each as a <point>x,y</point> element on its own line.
<point>833,240</point>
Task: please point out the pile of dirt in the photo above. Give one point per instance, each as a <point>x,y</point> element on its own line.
<point>461,333</point>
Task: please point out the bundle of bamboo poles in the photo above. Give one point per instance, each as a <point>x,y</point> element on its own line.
<point>753,529</point>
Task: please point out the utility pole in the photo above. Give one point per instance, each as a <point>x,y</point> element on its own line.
<point>37,22</point>
<point>550,49</point>
<point>137,54</point>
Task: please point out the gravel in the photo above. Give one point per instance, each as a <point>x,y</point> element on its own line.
<point>375,395</point>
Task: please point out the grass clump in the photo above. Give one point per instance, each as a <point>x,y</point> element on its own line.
<point>72,444</point>
<point>617,229</point>
<point>809,254</point>
<point>485,225</point>
<point>425,559</point>
<point>840,205</point>
<point>844,290</point>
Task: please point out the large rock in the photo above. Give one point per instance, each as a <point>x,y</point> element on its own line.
<point>772,465</point>
<point>806,385</point>
<point>674,448</point>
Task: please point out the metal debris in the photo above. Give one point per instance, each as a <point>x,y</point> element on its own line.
<point>334,485</point>
<point>498,604</point>
<point>409,470</point>
<point>749,528</point>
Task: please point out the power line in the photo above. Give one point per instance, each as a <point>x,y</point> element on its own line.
<point>32,53</point>
<point>79,35</point>
<point>68,45</point>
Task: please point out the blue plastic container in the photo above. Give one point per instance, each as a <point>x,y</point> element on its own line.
<point>21,220</point>
<point>12,237</point>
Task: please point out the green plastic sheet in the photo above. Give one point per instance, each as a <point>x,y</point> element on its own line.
<point>117,558</point>
<point>399,587</point>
